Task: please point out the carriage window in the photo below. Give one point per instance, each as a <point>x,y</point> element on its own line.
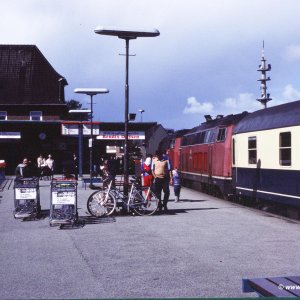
<point>252,151</point>
<point>285,149</point>
<point>221,135</point>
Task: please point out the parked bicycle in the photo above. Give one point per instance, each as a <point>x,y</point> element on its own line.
<point>140,201</point>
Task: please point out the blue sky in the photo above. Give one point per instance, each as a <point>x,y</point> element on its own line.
<point>203,62</point>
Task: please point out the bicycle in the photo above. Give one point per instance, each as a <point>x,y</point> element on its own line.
<point>141,200</point>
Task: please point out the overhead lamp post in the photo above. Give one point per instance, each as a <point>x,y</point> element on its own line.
<point>141,111</point>
<point>80,112</point>
<point>126,34</point>
<point>91,92</point>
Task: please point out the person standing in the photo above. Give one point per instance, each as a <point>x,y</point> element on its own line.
<point>161,171</point>
<point>112,169</point>
<point>40,161</point>
<point>26,169</point>
<point>176,184</point>
<point>147,173</point>
<point>75,166</point>
<point>50,164</point>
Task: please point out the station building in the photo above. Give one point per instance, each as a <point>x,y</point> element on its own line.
<point>35,119</point>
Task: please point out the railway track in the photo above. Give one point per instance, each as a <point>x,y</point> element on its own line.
<point>6,184</point>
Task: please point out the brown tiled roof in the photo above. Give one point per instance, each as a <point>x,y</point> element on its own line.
<point>26,77</point>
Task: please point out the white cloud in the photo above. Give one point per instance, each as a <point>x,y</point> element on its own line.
<point>243,102</point>
<point>195,107</point>
<point>292,53</point>
<point>290,93</point>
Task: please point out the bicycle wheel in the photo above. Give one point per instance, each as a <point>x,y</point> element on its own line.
<point>144,202</point>
<point>99,205</point>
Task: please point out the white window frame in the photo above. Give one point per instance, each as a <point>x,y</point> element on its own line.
<point>284,148</point>
<point>251,150</point>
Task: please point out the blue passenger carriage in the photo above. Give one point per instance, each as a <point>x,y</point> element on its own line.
<point>266,155</point>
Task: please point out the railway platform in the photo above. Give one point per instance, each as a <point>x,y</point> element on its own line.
<point>204,247</point>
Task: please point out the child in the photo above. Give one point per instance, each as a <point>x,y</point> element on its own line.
<point>146,172</point>
<point>176,183</point>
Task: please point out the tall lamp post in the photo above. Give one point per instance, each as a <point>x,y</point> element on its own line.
<point>80,112</point>
<point>141,111</point>
<point>126,34</point>
<point>91,92</point>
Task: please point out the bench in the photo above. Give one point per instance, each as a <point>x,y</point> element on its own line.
<point>274,286</point>
<point>86,181</point>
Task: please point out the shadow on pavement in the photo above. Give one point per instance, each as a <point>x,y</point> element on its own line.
<point>176,211</point>
<point>89,220</point>
<point>188,200</point>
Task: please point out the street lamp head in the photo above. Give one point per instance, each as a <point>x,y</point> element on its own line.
<point>141,110</point>
<point>127,32</point>
<point>91,91</point>
<point>79,111</point>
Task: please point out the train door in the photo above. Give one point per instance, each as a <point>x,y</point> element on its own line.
<point>179,157</point>
<point>210,159</point>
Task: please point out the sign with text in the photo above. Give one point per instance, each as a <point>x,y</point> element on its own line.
<point>73,129</point>
<point>64,197</point>
<point>25,193</point>
<point>120,135</point>
<point>87,129</point>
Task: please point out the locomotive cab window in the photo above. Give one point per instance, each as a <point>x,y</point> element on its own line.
<point>285,149</point>
<point>221,135</point>
<point>252,151</point>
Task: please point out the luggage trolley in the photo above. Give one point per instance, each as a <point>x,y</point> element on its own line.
<point>26,198</point>
<point>63,205</point>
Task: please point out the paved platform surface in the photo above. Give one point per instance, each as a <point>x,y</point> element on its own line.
<point>203,248</point>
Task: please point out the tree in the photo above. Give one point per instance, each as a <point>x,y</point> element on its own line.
<point>75,105</point>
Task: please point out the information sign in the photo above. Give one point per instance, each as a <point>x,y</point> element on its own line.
<point>73,129</point>
<point>120,135</point>
<point>64,197</point>
<point>25,193</point>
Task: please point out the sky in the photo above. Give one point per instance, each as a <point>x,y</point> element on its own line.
<point>205,60</point>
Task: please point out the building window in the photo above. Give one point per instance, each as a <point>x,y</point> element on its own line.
<point>221,135</point>
<point>3,115</point>
<point>252,151</point>
<point>36,116</point>
<point>285,149</point>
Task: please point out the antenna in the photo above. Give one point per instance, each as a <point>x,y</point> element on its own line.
<point>263,69</point>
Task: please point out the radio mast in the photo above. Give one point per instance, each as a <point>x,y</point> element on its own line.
<point>263,68</point>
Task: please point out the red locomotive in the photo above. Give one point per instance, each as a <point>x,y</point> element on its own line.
<point>203,155</point>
